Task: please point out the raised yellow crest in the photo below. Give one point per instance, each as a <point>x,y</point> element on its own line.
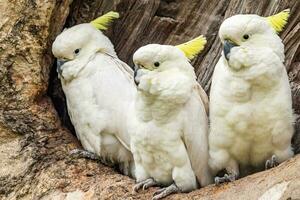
<point>193,47</point>
<point>103,21</point>
<point>279,20</point>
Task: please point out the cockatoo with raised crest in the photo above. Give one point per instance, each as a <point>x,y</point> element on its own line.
<point>251,116</point>
<point>99,89</point>
<point>170,124</point>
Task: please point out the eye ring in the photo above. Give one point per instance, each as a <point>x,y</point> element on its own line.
<point>246,36</point>
<point>76,51</point>
<point>156,64</point>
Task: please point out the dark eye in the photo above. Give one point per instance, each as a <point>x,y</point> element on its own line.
<point>156,64</point>
<point>246,36</point>
<point>77,51</point>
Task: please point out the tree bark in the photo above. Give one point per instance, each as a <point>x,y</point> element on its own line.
<point>36,134</point>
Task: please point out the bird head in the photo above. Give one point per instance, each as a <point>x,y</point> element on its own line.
<point>76,45</point>
<point>253,31</point>
<point>156,58</point>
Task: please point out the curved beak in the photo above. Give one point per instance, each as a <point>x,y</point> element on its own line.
<point>59,64</point>
<point>228,45</point>
<point>136,68</point>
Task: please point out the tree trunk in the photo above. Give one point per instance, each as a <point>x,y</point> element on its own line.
<point>36,134</point>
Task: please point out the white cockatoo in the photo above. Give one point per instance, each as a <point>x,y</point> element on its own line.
<point>251,116</point>
<point>99,89</point>
<point>169,138</point>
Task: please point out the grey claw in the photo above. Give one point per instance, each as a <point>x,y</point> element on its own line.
<point>150,183</point>
<point>271,162</point>
<point>75,152</point>
<point>225,178</point>
<point>80,153</point>
<point>217,180</point>
<point>144,184</point>
<point>136,187</point>
<point>158,191</point>
<point>161,193</point>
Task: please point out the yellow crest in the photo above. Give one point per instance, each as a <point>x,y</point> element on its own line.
<point>103,22</point>
<point>279,20</point>
<point>193,47</point>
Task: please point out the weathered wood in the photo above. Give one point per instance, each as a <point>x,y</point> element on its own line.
<point>34,146</point>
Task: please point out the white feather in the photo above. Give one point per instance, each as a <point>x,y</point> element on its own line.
<point>99,89</point>
<point>169,141</point>
<point>251,113</point>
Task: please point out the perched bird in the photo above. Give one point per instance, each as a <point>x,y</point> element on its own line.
<point>169,140</point>
<point>251,116</point>
<point>99,89</point>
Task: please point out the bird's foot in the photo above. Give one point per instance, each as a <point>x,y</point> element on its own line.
<point>80,153</point>
<point>226,178</point>
<point>163,192</point>
<point>144,184</point>
<point>273,162</point>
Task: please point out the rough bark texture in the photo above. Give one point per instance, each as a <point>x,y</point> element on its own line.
<point>34,144</point>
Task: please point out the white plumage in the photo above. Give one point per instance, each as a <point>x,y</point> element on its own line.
<point>169,139</point>
<point>99,89</point>
<point>251,113</point>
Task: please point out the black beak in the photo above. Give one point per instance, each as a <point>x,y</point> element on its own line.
<point>228,45</point>
<point>59,64</point>
<point>136,69</point>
